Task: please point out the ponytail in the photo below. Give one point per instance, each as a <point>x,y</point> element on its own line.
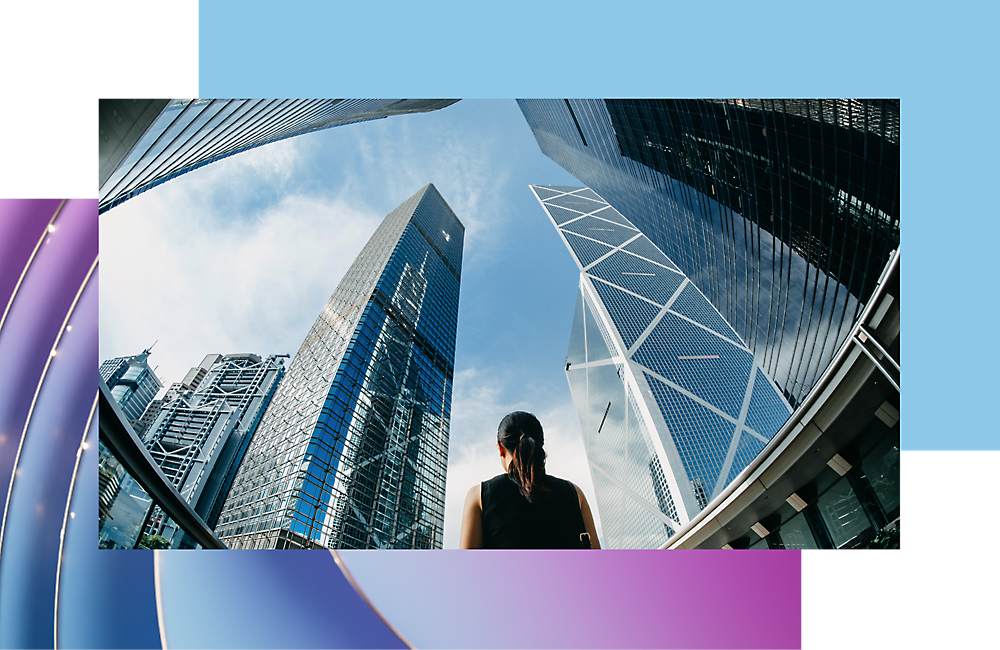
<point>521,434</point>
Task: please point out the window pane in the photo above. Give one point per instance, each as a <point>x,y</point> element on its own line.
<point>795,533</point>
<point>844,517</point>
<point>881,467</point>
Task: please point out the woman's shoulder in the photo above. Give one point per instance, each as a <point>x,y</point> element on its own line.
<point>498,479</point>
<point>555,480</point>
<point>501,484</point>
<point>560,485</point>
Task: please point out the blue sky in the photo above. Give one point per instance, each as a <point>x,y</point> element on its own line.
<point>241,255</point>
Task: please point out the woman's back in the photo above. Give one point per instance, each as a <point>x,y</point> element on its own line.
<point>552,519</point>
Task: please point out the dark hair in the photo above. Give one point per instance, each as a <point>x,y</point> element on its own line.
<point>521,434</point>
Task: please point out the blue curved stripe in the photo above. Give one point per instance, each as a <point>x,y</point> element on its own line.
<point>35,319</point>
<point>265,599</point>
<point>44,406</point>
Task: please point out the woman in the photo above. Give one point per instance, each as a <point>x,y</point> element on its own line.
<point>524,507</point>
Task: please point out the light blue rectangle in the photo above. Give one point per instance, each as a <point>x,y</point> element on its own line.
<point>939,63</point>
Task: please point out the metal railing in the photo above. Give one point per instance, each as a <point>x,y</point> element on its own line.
<point>119,437</point>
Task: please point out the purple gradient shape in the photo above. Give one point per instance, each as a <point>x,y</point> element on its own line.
<point>582,599</point>
<point>264,599</point>
<point>36,315</point>
<point>41,487</point>
<point>22,222</point>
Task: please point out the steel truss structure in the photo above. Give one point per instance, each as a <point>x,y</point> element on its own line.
<point>198,441</point>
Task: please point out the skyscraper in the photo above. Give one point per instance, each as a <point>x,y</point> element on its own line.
<point>352,451</point>
<point>199,439</point>
<point>671,402</point>
<point>145,142</point>
<point>177,389</point>
<point>132,382</point>
<point>783,212</point>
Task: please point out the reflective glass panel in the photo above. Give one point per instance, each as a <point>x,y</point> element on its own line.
<point>561,215</point>
<point>546,193</point>
<point>795,533</point>
<point>577,352</point>
<point>844,516</point>
<point>881,466</point>
<point>586,251</point>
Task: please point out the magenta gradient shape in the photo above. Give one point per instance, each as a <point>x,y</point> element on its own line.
<point>583,599</point>
<point>41,304</point>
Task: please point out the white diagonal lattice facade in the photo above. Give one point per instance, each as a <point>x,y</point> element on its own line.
<point>671,402</point>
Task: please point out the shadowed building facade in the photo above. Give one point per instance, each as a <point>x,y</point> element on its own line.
<point>671,402</point>
<point>783,212</point>
<point>353,449</point>
<point>146,142</point>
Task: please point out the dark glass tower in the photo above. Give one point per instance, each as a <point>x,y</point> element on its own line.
<point>783,212</point>
<point>146,142</point>
<point>353,449</point>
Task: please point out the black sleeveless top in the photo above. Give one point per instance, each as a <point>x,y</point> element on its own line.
<point>552,520</point>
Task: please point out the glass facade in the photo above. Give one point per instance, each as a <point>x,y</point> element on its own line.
<point>132,382</point>
<point>353,448</point>
<point>189,133</point>
<point>671,401</point>
<point>856,509</point>
<point>199,440</point>
<point>782,212</point>
<point>123,506</point>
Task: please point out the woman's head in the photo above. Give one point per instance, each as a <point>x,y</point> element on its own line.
<point>521,434</point>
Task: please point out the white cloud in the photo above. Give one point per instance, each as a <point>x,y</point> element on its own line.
<point>406,154</point>
<point>200,279</point>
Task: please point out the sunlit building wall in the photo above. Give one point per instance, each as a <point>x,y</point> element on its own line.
<point>199,440</point>
<point>671,402</point>
<point>177,389</point>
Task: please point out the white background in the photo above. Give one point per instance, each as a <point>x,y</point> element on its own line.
<point>938,592</point>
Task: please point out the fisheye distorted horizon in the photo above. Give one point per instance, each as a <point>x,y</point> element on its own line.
<point>241,255</point>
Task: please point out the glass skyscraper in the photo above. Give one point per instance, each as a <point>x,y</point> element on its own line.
<point>145,142</point>
<point>199,440</point>
<point>671,402</point>
<point>122,503</point>
<point>177,389</point>
<point>783,212</point>
<point>353,449</point>
<point>132,382</point>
